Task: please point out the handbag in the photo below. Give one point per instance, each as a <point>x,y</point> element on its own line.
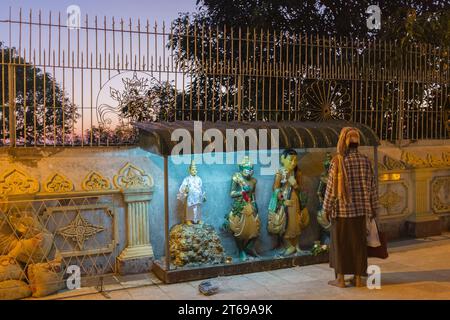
<point>373,239</point>
<point>381,250</point>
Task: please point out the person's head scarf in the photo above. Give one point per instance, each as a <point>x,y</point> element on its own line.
<point>341,189</point>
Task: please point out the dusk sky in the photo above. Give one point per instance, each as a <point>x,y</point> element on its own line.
<point>144,9</point>
<point>153,11</point>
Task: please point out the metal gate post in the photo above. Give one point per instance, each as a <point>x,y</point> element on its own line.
<point>401,102</point>
<point>12,103</point>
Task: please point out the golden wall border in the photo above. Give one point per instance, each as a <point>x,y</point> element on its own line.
<point>430,161</point>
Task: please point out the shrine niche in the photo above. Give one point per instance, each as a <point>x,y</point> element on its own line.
<point>262,219</point>
<point>440,194</point>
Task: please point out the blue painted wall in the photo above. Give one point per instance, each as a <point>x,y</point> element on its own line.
<point>217,182</point>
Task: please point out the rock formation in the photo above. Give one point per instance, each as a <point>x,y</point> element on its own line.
<point>195,244</point>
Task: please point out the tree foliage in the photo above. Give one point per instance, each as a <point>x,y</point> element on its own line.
<point>206,35</point>
<point>424,21</point>
<point>40,103</point>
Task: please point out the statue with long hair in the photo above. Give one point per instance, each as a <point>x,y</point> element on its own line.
<point>287,219</point>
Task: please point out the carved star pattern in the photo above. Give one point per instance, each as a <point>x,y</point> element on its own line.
<point>79,230</point>
<point>390,199</point>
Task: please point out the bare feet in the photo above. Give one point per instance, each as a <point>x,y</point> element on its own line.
<point>337,283</point>
<point>356,281</point>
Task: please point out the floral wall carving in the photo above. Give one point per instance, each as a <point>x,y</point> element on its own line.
<point>94,181</point>
<point>393,198</point>
<point>17,182</point>
<point>132,177</point>
<point>58,183</point>
<point>413,160</point>
<point>440,194</point>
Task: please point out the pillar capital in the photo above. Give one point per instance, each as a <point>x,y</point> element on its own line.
<point>423,174</point>
<point>135,195</point>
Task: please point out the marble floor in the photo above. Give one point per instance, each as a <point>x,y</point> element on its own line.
<point>418,269</point>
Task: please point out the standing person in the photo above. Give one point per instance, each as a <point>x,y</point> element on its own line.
<point>351,197</point>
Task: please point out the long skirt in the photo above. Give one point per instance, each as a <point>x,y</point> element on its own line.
<point>348,248</point>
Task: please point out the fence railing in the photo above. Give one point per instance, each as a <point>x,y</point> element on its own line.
<point>85,86</point>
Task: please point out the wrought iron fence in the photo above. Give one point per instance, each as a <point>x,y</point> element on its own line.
<point>85,86</point>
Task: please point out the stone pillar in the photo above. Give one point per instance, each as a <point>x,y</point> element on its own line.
<point>423,223</point>
<point>137,190</point>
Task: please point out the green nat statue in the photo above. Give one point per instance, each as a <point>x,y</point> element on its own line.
<point>191,193</point>
<point>286,218</point>
<point>321,216</point>
<point>243,220</point>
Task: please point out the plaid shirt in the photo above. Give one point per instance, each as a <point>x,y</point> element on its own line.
<point>362,188</point>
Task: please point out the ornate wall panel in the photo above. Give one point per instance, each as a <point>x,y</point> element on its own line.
<point>393,198</point>
<point>81,230</point>
<point>440,194</point>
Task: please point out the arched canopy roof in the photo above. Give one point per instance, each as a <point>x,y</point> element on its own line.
<point>156,136</point>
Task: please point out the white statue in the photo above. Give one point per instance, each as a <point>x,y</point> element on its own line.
<point>191,192</point>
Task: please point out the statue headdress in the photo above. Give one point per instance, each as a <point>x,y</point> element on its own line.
<point>246,163</point>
